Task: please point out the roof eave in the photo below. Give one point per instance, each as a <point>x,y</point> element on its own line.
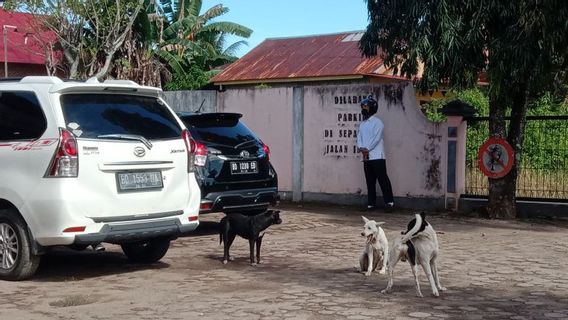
<point>287,80</point>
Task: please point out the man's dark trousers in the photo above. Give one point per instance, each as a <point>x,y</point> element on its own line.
<point>377,170</point>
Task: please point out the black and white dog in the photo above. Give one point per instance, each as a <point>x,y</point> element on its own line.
<point>248,227</point>
<point>419,245</point>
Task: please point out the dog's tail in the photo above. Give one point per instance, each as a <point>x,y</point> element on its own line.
<point>410,233</point>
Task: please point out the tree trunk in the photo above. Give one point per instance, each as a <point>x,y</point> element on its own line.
<point>502,192</point>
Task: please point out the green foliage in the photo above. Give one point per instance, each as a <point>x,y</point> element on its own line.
<point>167,39</point>
<point>513,42</point>
<point>520,46</point>
<point>545,143</point>
<point>195,38</point>
<point>194,79</point>
<point>432,110</point>
<point>476,98</point>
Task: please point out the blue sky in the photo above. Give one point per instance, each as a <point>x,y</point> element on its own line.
<point>287,18</point>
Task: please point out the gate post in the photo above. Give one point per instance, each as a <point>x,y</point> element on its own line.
<point>456,150</point>
<point>297,144</point>
<point>455,185</point>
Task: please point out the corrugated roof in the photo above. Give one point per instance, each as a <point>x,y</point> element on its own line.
<point>22,42</point>
<point>335,55</point>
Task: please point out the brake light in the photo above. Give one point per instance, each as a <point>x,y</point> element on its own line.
<point>65,162</point>
<point>190,147</point>
<point>189,142</point>
<point>266,151</point>
<point>196,151</point>
<point>204,206</point>
<point>200,154</point>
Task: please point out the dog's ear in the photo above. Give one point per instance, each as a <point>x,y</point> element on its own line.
<point>423,215</point>
<point>380,223</point>
<point>365,219</point>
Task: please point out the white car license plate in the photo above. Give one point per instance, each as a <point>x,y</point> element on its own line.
<point>244,167</point>
<point>140,180</point>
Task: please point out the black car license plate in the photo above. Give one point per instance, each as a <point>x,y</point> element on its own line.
<point>244,167</point>
<point>139,180</point>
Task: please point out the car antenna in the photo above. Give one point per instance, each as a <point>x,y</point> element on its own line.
<point>199,110</point>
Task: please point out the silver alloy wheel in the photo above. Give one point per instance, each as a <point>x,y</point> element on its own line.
<point>8,246</point>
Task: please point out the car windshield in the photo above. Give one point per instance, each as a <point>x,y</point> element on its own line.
<point>222,129</point>
<point>106,115</point>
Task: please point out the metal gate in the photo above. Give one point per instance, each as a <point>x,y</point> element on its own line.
<point>544,167</point>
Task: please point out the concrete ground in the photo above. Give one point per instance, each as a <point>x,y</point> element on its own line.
<point>492,269</point>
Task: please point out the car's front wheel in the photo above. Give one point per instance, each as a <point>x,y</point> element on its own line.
<point>148,251</point>
<point>17,261</point>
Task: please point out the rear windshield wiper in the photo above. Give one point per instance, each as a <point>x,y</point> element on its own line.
<point>135,137</point>
<point>244,143</point>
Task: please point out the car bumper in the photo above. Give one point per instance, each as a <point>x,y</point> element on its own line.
<point>241,200</point>
<point>123,233</point>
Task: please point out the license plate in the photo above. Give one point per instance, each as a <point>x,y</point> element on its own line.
<point>244,167</point>
<point>140,180</point>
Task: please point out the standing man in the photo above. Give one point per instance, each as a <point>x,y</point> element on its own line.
<point>370,143</point>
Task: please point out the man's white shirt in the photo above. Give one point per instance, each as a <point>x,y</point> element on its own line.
<point>370,136</point>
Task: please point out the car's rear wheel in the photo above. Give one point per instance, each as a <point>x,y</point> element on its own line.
<point>17,261</point>
<point>148,251</point>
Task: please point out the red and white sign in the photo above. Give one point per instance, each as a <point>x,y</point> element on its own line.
<point>495,158</point>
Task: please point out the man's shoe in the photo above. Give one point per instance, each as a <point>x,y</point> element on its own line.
<point>389,207</point>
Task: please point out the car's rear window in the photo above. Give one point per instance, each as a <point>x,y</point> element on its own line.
<point>93,115</point>
<point>224,130</point>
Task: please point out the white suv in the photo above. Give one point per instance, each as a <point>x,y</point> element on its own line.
<point>89,162</point>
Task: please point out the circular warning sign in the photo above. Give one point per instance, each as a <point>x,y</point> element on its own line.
<point>495,158</point>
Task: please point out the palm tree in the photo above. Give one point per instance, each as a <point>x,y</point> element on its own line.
<point>187,38</point>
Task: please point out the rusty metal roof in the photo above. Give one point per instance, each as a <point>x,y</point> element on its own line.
<point>309,57</point>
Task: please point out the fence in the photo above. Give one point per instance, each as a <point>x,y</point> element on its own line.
<point>543,172</point>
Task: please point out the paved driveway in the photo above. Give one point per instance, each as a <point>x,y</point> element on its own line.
<point>492,269</point>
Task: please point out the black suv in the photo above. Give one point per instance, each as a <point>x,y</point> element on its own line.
<point>232,164</point>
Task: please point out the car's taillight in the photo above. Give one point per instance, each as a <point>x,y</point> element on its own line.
<point>205,206</point>
<point>200,154</point>
<point>190,147</point>
<point>65,162</point>
<point>197,152</point>
<point>266,151</point>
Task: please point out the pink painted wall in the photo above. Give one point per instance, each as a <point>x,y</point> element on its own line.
<point>268,112</point>
<point>415,147</point>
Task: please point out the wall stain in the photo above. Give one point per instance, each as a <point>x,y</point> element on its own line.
<point>431,155</point>
<point>393,94</point>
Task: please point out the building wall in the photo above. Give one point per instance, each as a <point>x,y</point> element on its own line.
<point>413,145</point>
<point>268,112</point>
<point>329,167</point>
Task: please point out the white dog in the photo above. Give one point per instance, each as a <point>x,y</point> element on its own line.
<point>376,249</point>
<point>419,244</point>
